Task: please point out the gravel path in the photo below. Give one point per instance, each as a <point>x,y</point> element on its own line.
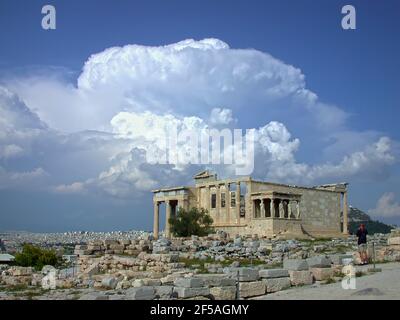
<point>380,285</point>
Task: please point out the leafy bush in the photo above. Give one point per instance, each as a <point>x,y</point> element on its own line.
<point>193,222</point>
<point>32,256</point>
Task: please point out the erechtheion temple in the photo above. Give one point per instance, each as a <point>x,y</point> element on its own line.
<point>246,207</point>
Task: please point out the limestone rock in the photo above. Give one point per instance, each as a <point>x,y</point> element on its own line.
<point>142,293</point>
<point>251,289</point>
<point>295,264</point>
<point>319,262</point>
<point>337,259</point>
<point>321,274</point>
<point>21,271</point>
<point>276,284</point>
<point>94,296</point>
<point>299,278</point>
<point>109,282</point>
<point>273,273</point>
<point>164,292</point>
<point>393,241</point>
<point>47,269</point>
<point>216,280</point>
<point>92,270</point>
<point>184,292</point>
<point>223,293</point>
<point>191,282</point>
<point>245,274</point>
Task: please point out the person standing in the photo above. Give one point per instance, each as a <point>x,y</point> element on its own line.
<point>362,243</point>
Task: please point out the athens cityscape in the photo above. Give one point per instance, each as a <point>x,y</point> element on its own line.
<point>176,151</point>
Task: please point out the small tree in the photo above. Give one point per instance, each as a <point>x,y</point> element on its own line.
<point>192,222</point>
<point>32,256</point>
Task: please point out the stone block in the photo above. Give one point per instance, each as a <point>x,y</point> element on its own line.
<point>216,280</point>
<point>152,282</point>
<point>394,241</point>
<point>141,293</point>
<point>223,293</point>
<point>321,274</point>
<point>192,282</point>
<point>184,292</point>
<point>164,292</point>
<point>110,242</point>
<point>94,248</point>
<point>277,284</point>
<point>47,269</point>
<point>273,273</point>
<point>251,289</point>
<point>92,269</point>
<point>295,264</point>
<point>21,271</point>
<point>157,249</point>
<point>245,274</point>
<point>94,296</point>
<point>109,282</point>
<point>337,259</point>
<point>319,262</point>
<point>299,278</point>
<point>117,247</point>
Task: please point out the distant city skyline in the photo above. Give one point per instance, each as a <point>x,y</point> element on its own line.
<point>82,104</point>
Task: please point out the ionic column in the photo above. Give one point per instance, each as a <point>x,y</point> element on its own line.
<point>272,208</point>
<point>238,202</point>
<point>208,199</point>
<point>156,221</point>
<point>218,203</point>
<point>262,208</point>
<point>168,215</point>
<point>345,214</point>
<point>227,202</point>
<point>289,209</point>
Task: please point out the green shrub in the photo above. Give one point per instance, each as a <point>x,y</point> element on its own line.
<point>32,256</point>
<point>193,222</point>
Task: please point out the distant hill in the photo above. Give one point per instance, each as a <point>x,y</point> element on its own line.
<point>356,217</point>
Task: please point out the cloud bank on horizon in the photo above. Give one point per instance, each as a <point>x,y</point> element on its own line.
<point>92,136</point>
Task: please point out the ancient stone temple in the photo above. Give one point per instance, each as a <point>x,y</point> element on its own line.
<point>246,207</point>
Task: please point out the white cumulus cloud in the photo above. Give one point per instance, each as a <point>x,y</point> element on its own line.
<point>95,134</point>
<point>386,207</point>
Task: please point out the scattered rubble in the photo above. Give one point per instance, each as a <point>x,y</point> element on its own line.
<point>134,266</point>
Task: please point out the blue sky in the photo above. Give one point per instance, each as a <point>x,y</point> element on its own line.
<point>353,73</point>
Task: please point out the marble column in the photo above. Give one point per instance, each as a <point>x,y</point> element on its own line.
<point>289,209</point>
<point>238,202</point>
<point>227,203</point>
<point>156,221</point>
<point>297,209</point>
<point>168,215</point>
<point>217,204</point>
<point>272,208</point>
<point>345,214</point>
<point>207,199</point>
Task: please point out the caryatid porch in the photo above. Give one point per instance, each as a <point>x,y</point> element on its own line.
<point>174,198</point>
<point>276,205</point>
